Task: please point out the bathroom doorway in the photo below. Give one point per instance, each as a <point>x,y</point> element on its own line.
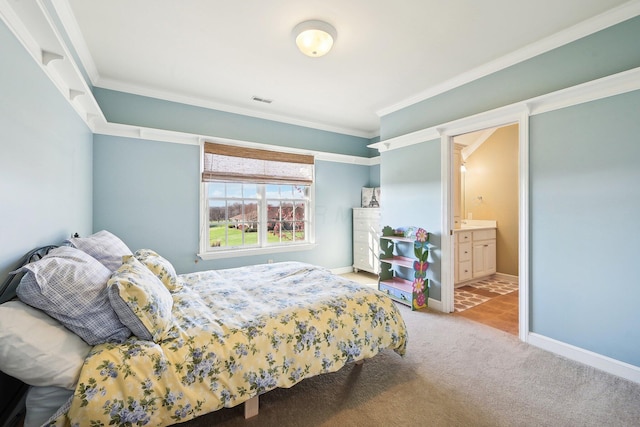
<point>489,120</point>
<point>486,203</point>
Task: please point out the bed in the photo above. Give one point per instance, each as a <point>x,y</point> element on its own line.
<point>172,347</point>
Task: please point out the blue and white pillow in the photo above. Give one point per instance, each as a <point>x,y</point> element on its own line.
<point>70,286</point>
<point>103,246</point>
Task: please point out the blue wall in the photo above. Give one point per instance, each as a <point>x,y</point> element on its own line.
<point>584,193</point>
<point>607,52</point>
<point>45,159</point>
<point>374,176</point>
<point>125,108</point>
<point>585,199</point>
<point>410,196</point>
<point>147,192</point>
<point>175,169</point>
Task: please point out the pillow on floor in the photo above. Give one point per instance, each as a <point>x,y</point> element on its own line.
<point>70,286</point>
<point>37,349</point>
<point>141,300</point>
<point>103,246</point>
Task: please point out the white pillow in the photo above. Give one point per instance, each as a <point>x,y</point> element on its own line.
<point>37,349</point>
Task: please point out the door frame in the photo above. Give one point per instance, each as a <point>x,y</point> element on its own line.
<point>520,116</point>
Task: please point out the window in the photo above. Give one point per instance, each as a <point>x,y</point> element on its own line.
<point>255,201</point>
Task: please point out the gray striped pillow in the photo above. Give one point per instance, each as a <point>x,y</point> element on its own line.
<point>103,246</point>
<point>71,286</point>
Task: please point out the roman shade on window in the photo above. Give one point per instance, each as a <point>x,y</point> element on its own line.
<point>229,163</point>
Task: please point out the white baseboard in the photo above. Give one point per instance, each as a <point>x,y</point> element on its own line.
<point>342,270</point>
<point>434,304</point>
<point>595,360</point>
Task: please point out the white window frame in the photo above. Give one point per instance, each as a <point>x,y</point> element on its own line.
<point>208,253</point>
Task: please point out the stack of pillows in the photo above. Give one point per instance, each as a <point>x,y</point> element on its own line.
<point>91,291</point>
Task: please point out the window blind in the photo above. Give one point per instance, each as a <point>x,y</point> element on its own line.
<point>229,163</point>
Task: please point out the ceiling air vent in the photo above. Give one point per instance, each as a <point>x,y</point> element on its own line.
<point>264,100</point>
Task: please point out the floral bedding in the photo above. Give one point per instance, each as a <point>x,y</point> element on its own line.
<point>235,334</point>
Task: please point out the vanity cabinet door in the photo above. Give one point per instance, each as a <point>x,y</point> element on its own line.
<point>484,258</point>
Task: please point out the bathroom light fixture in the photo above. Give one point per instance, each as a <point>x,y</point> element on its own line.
<point>463,167</point>
<point>314,38</point>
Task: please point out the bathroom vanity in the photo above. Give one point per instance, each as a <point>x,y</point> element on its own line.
<point>475,250</point>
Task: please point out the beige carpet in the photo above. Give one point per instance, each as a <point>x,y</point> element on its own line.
<point>456,373</point>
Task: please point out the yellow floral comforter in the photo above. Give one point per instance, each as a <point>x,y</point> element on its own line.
<point>236,333</point>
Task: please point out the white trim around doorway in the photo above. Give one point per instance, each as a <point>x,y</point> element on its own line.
<point>517,116</point>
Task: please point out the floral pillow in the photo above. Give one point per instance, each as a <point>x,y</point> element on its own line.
<point>158,266</point>
<point>140,300</point>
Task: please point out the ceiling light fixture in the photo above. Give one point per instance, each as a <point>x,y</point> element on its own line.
<point>314,38</point>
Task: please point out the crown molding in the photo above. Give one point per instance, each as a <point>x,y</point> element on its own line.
<point>70,24</point>
<point>151,134</point>
<point>49,50</point>
<point>497,117</point>
<point>64,14</point>
<point>165,95</point>
<point>616,84</point>
<point>59,66</point>
<point>19,30</point>
<point>604,20</point>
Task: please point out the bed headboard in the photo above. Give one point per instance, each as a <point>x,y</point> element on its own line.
<point>8,287</point>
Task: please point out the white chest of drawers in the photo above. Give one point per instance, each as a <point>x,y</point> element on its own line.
<point>366,239</point>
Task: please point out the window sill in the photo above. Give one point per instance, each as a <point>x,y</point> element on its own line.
<point>233,253</point>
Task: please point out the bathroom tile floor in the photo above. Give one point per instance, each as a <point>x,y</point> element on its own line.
<point>492,301</point>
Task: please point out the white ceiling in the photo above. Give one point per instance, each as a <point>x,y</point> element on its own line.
<point>221,53</point>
